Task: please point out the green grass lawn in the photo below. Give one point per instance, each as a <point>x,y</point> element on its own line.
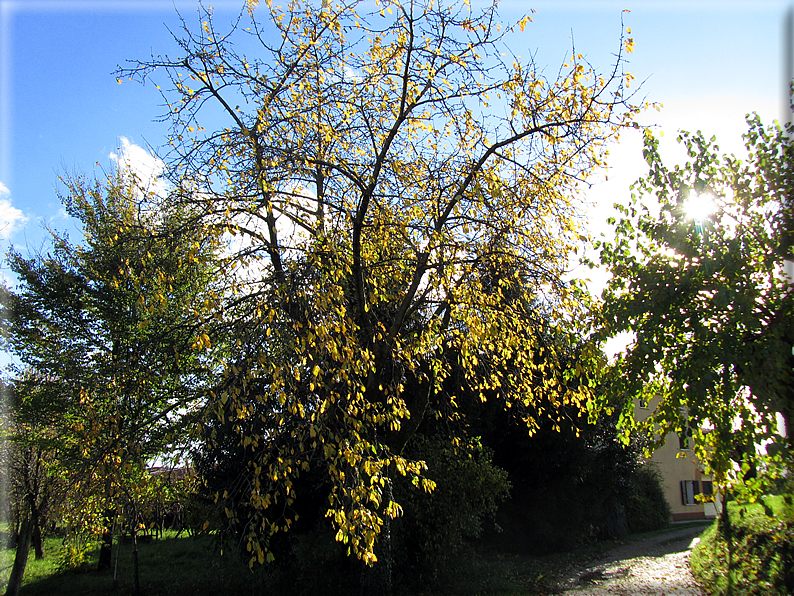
<point>761,560</point>
<point>35,570</point>
<point>194,567</point>
<point>174,566</point>
<point>188,566</point>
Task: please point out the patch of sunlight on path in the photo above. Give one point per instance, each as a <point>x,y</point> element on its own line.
<point>663,575</point>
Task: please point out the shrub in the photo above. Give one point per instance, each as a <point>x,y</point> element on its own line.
<point>75,550</point>
<point>314,563</point>
<point>760,559</point>
<point>435,526</point>
<point>570,482</point>
<point>646,506</point>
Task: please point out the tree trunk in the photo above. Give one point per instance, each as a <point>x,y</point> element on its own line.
<point>35,522</point>
<point>135,561</point>
<point>377,579</point>
<point>38,544</point>
<point>21,559</point>
<point>727,533</point>
<point>13,535</point>
<point>106,549</point>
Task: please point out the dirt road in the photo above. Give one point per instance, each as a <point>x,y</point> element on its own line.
<point>656,566</point>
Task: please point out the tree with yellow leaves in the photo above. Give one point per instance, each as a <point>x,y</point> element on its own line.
<point>370,165</point>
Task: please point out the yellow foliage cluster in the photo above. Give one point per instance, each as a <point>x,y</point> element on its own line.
<point>384,184</point>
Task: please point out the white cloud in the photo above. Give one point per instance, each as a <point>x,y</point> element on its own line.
<point>11,218</point>
<point>352,74</point>
<point>144,168</point>
<point>62,214</point>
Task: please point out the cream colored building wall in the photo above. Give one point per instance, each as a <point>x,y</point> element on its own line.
<point>676,469</point>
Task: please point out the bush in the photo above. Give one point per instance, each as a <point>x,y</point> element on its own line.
<point>760,559</point>
<point>423,542</point>
<point>647,508</point>
<point>435,526</point>
<point>315,563</point>
<point>570,480</point>
<point>75,550</point>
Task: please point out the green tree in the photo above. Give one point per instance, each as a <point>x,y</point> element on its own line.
<point>35,487</point>
<point>369,161</point>
<point>113,330</point>
<point>707,298</point>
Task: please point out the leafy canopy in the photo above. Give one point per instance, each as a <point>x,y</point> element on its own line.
<point>707,297</point>
<point>372,166</point>
<point>110,335</point>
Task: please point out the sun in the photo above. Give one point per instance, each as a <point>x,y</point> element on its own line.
<point>700,206</point>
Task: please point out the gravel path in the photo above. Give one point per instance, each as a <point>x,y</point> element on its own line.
<point>654,566</point>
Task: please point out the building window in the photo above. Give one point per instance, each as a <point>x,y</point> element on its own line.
<point>684,438</point>
<point>689,491</point>
<point>708,490</point>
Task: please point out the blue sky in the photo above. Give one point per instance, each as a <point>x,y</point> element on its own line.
<point>62,112</point>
